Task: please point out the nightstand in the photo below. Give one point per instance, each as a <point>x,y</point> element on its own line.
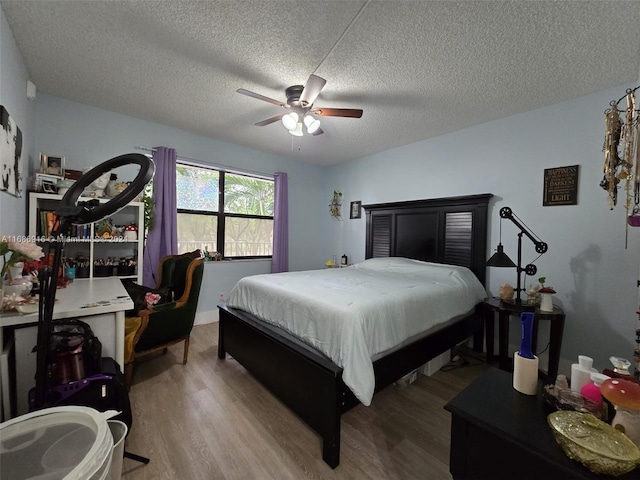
<point>499,433</point>
<point>505,310</point>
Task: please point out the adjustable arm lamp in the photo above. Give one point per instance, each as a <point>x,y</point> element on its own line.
<point>69,212</point>
<point>500,259</point>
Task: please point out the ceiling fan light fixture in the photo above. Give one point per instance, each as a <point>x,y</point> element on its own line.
<point>312,124</point>
<point>297,130</point>
<point>290,121</point>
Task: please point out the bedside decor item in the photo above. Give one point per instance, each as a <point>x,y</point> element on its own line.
<point>625,397</point>
<point>546,299</point>
<point>336,203</point>
<point>525,363</point>
<point>505,292</point>
<point>501,259</point>
<point>581,372</point>
<point>597,445</point>
<point>533,295</point>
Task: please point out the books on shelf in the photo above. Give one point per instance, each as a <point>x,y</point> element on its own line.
<point>47,220</point>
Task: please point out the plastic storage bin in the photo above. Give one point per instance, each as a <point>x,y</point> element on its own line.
<point>70,443</point>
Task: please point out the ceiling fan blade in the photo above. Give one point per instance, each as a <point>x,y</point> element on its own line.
<point>311,90</point>
<point>338,112</point>
<point>319,131</point>
<point>260,97</point>
<point>269,121</point>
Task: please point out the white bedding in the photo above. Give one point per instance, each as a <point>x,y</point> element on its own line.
<point>351,314</point>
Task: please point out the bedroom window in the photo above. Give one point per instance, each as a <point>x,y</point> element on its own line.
<point>224,212</point>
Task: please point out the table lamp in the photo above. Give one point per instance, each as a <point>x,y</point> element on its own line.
<point>501,259</point>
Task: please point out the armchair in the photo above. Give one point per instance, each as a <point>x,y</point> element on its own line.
<point>159,326</point>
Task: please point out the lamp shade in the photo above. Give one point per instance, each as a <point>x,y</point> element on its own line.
<point>500,259</point>
<point>312,124</point>
<point>297,130</point>
<point>290,120</point>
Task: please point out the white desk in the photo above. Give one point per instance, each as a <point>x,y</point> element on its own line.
<point>100,302</point>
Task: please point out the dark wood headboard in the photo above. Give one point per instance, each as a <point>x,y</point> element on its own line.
<point>449,230</point>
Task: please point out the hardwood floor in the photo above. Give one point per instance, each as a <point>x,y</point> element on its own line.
<point>210,419</point>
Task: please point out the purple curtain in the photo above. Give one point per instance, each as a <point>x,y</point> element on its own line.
<point>163,237</point>
<point>280,257</point>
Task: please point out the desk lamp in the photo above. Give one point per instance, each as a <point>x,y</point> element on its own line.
<point>70,212</point>
<point>501,259</point>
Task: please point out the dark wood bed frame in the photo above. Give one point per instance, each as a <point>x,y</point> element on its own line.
<point>445,230</point>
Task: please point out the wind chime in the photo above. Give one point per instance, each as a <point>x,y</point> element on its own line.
<point>622,164</point>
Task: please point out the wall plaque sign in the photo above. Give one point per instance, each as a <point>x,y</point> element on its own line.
<point>560,186</point>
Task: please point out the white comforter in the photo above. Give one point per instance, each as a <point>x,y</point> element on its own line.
<point>351,314</point>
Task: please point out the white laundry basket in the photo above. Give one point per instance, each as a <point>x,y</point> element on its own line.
<point>70,443</point>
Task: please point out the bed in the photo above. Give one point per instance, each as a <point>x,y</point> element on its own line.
<point>448,231</point>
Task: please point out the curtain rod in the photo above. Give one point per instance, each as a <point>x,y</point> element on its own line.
<point>226,168</point>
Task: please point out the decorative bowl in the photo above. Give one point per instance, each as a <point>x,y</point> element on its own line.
<point>27,308</point>
<point>597,445</point>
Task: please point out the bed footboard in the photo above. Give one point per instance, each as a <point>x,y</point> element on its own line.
<point>303,379</point>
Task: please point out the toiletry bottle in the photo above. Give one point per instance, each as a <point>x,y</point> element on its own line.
<point>343,260</point>
<point>581,372</point>
<point>592,389</point>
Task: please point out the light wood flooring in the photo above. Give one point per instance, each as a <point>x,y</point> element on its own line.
<point>210,419</point>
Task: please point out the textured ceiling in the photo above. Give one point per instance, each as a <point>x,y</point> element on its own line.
<point>418,69</point>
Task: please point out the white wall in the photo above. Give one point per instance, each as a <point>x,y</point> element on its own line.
<point>587,263</point>
<point>13,95</point>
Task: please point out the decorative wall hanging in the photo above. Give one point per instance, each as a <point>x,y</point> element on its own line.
<point>560,186</point>
<point>336,203</point>
<point>622,164</point>
<point>622,156</point>
<point>10,154</point>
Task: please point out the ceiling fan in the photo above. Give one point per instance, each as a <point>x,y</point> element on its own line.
<point>300,103</point>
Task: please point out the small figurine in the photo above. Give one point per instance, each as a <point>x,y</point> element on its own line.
<point>533,295</point>
<point>506,291</point>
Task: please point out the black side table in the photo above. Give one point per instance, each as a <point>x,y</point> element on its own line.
<point>499,433</point>
<point>505,310</point>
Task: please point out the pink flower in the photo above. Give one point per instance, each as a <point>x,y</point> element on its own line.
<point>151,298</point>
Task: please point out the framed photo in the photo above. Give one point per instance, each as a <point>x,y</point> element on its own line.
<point>52,165</point>
<point>49,187</point>
<point>356,209</point>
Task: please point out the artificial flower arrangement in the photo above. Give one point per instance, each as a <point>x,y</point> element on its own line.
<point>14,252</point>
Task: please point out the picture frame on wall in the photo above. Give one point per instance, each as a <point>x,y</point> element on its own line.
<point>52,165</point>
<point>11,161</point>
<point>356,209</point>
